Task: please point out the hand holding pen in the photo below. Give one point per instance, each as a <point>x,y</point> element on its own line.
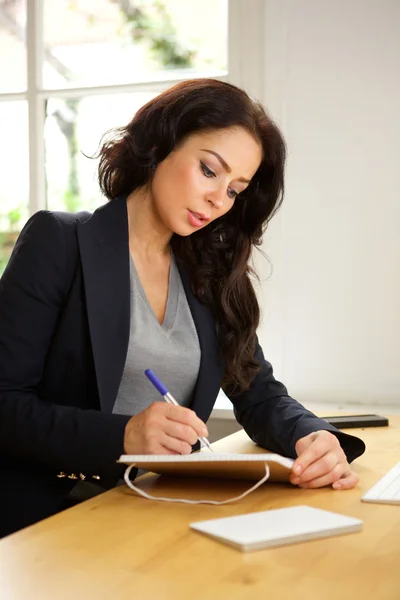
<point>169,398</point>
<point>163,428</point>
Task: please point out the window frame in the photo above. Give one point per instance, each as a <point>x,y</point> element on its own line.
<point>245,68</point>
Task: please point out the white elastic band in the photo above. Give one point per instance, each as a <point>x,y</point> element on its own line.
<point>150,497</point>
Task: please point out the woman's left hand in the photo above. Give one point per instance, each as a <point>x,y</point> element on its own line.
<point>321,461</point>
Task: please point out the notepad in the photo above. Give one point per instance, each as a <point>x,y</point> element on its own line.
<point>279,527</point>
<point>212,464</point>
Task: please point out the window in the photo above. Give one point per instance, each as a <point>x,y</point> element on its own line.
<point>72,69</point>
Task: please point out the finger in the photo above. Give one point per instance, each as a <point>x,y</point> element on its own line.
<point>151,444</point>
<point>319,468</point>
<point>186,416</point>
<point>175,445</point>
<point>304,442</point>
<point>301,446</point>
<point>155,439</point>
<point>327,479</point>
<point>163,450</point>
<point>348,480</point>
<point>177,430</point>
<point>311,455</point>
<point>321,443</point>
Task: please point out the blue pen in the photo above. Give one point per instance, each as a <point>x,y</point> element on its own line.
<point>169,397</point>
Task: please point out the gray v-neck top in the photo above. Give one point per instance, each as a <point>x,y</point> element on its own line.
<point>170,349</point>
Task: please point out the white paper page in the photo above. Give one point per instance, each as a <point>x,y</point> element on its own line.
<point>205,457</point>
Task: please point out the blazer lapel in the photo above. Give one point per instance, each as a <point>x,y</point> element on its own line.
<point>211,364</point>
<point>104,248</point>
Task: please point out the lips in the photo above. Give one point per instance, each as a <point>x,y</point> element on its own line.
<point>201,216</point>
<point>197,219</point>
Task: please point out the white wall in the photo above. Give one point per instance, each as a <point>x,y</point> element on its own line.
<point>331,324</point>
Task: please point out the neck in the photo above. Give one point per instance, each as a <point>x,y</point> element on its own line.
<point>148,235</point>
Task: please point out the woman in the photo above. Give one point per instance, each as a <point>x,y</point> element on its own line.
<point>157,278</point>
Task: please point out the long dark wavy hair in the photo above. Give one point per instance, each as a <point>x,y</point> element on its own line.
<point>217,256</point>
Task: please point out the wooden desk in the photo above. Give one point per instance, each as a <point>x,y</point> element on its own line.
<point>121,546</point>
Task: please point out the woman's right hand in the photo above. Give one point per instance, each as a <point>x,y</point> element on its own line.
<point>163,429</point>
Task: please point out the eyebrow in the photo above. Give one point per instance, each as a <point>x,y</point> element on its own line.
<point>224,164</point>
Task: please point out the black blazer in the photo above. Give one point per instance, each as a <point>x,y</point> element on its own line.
<point>64,330</point>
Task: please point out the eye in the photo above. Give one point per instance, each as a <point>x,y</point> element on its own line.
<point>232,194</point>
<point>207,172</point>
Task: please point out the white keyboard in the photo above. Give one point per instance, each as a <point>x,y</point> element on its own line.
<point>387,490</point>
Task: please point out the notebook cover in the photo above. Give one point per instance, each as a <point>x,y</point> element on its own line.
<point>211,464</point>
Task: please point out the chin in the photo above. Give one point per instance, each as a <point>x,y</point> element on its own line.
<point>189,230</point>
<point>183,229</point>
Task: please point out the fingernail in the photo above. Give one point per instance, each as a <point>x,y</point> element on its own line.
<point>204,432</point>
<point>337,485</point>
<point>298,469</point>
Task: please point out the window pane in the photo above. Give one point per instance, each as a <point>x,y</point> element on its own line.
<point>12,45</point>
<point>14,175</point>
<point>99,42</point>
<point>73,129</point>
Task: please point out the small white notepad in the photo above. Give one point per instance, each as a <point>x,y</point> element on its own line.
<point>255,531</point>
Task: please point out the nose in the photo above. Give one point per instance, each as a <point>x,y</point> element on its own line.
<point>216,198</point>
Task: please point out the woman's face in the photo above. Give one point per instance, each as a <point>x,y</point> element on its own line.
<point>199,180</point>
